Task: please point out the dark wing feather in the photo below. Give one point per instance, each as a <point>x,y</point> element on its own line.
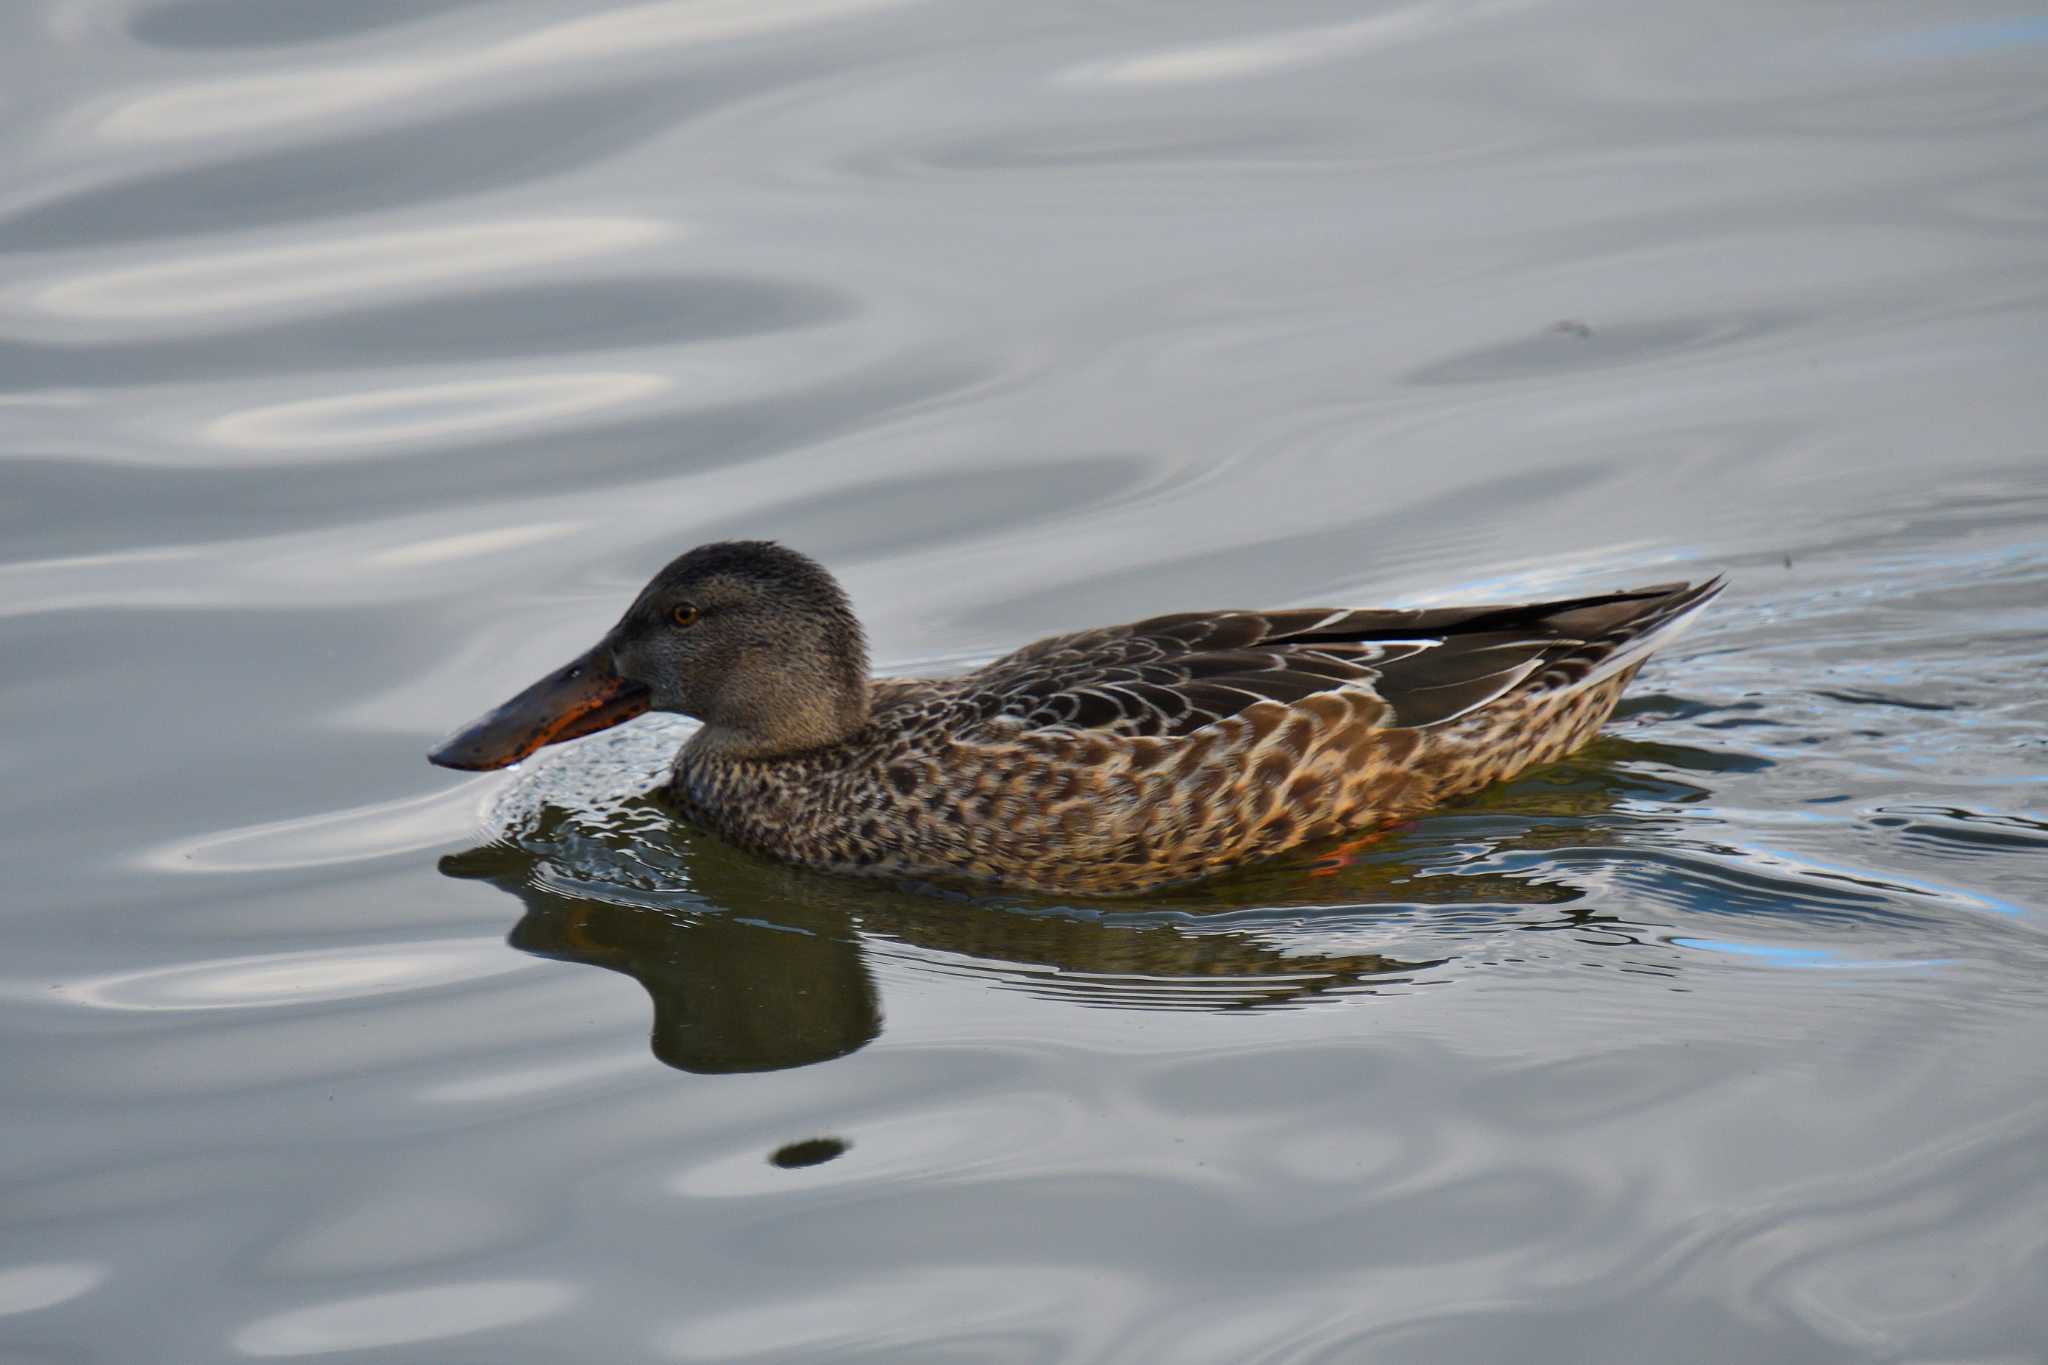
<point>1171,675</point>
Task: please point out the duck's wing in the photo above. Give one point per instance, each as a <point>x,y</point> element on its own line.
<point>1172,675</point>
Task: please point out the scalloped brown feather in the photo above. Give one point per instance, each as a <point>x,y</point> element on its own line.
<point>1115,761</point>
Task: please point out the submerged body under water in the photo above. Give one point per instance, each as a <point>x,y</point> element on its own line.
<point>355,359</point>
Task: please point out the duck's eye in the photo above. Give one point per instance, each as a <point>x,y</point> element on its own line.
<point>684,613</point>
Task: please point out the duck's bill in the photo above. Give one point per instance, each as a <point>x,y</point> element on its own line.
<point>581,699</point>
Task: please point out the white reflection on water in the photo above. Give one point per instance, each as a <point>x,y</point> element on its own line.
<point>406,1316</point>
<point>302,571</point>
<point>206,109</point>
<point>1259,54</point>
<point>378,830</point>
<point>272,979</point>
<point>427,412</point>
<point>470,544</point>
<point>524,1083</point>
<point>25,1288</point>
<point>399,1224</point>
<point>339,269</point>
<point>897,1310</point>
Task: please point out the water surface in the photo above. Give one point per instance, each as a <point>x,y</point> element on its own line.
<point>358,362</point>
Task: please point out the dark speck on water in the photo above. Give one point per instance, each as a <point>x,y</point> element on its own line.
<point>809,1152</point>
<point>358,362</point>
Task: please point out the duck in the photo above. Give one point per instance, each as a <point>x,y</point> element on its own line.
<point>1111,761</point>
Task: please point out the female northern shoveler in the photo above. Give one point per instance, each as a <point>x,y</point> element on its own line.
<point>1108,761</point>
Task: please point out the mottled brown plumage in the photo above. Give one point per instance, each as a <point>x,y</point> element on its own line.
<point>1105,762</point>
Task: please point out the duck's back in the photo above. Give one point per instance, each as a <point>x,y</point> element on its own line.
<point>1115,760</point>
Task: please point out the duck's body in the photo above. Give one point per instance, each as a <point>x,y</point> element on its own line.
<point>1106,762</point>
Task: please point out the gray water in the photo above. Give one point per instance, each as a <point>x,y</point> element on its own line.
<point>358,361</point>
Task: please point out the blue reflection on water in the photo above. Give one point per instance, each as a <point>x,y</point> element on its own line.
<point>1963,40</point>
<point>1806,959</point>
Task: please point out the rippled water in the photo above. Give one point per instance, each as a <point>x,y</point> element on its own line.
<point>358,360</point>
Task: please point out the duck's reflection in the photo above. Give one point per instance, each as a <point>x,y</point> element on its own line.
<point>754,966</point>
<point>782,984</point>
<point>757,967</point>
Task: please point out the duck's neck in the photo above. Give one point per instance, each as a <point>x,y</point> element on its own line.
<point>773,723</point>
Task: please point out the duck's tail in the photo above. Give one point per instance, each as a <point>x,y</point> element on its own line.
<point>1617,632</point>
<point>1565,696</point>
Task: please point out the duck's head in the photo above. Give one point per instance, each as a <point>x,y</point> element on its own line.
<point>753,639</point>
